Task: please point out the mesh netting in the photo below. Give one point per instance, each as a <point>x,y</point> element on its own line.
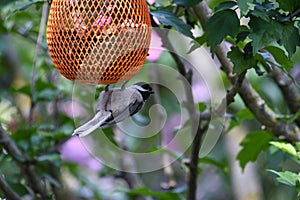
<point>98,41</point>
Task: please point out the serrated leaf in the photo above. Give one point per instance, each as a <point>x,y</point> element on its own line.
<point>280,57</point>
<point>245,6</point>
<point>225,5</point>
<point>187,3</point>
<point>260,13</point>
<point>290,38</point>
<point>252,145</point>
<point>167,18</point>
<point>286,147</point>
<point>287,177</point>
<point>240,61</point>
<point>263,32</point>
<point>221,24</point>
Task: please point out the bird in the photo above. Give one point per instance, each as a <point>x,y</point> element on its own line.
<point>115,105</point>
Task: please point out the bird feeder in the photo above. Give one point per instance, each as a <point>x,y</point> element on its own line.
<point>98,41</point>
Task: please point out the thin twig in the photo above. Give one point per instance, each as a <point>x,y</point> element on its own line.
<point>229,98</point>
<point>193,168</point>
<point>7,190</point>
<point>36,58</point>
<point>226,101</point>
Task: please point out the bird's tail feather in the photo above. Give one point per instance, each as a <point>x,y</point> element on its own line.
<point>91,125</point>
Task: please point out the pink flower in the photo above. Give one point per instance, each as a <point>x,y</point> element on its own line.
<point>74,151</point>
<point>151,1</point>
<point>155,47</point>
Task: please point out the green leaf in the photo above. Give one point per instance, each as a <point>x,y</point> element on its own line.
<point>297,144</point>
<point>286,147</point>
<point>280,57</point>
<point>187,3</point>
<point>198,42</point>
<point>261,13</point>
<point>221,24</point>
<point>243,34</point>
<point>26,89</point>
<point>240,61</point>
<point>263,32</point>
<point>287,177</point>
<point>289,5</point>
<point>290,38</point>
<point>225,5</point>
<point>18,187</point>
<point>221,165</point>
<point>202,106</point>
<point>245,6</point>
<point>49,157</point>
<point>26,6</point>
<point>167,18</point>
<point>242,115</point>
<point>252,145</point>
<point>159,195</point>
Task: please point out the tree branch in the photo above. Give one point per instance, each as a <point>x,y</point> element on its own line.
<point>287,87</point>
<point>34,181</point>
<point>7,190</point>
<point>193,163</point>
<point>194,116</point>
<point>250,97</point>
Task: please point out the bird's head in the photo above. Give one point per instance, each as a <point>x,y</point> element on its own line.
<point>145,89</point>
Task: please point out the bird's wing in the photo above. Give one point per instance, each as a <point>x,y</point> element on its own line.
<point>91,125</point>
<point>133,107</point>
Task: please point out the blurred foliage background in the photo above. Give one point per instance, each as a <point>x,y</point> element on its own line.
<point>38,113</point>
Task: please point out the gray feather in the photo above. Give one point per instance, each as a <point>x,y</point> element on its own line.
<point>96,122</point>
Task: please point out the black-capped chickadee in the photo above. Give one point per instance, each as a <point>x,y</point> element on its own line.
<point>115,105</point>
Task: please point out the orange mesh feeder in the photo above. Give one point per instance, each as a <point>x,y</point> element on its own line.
<point>98,41</point>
